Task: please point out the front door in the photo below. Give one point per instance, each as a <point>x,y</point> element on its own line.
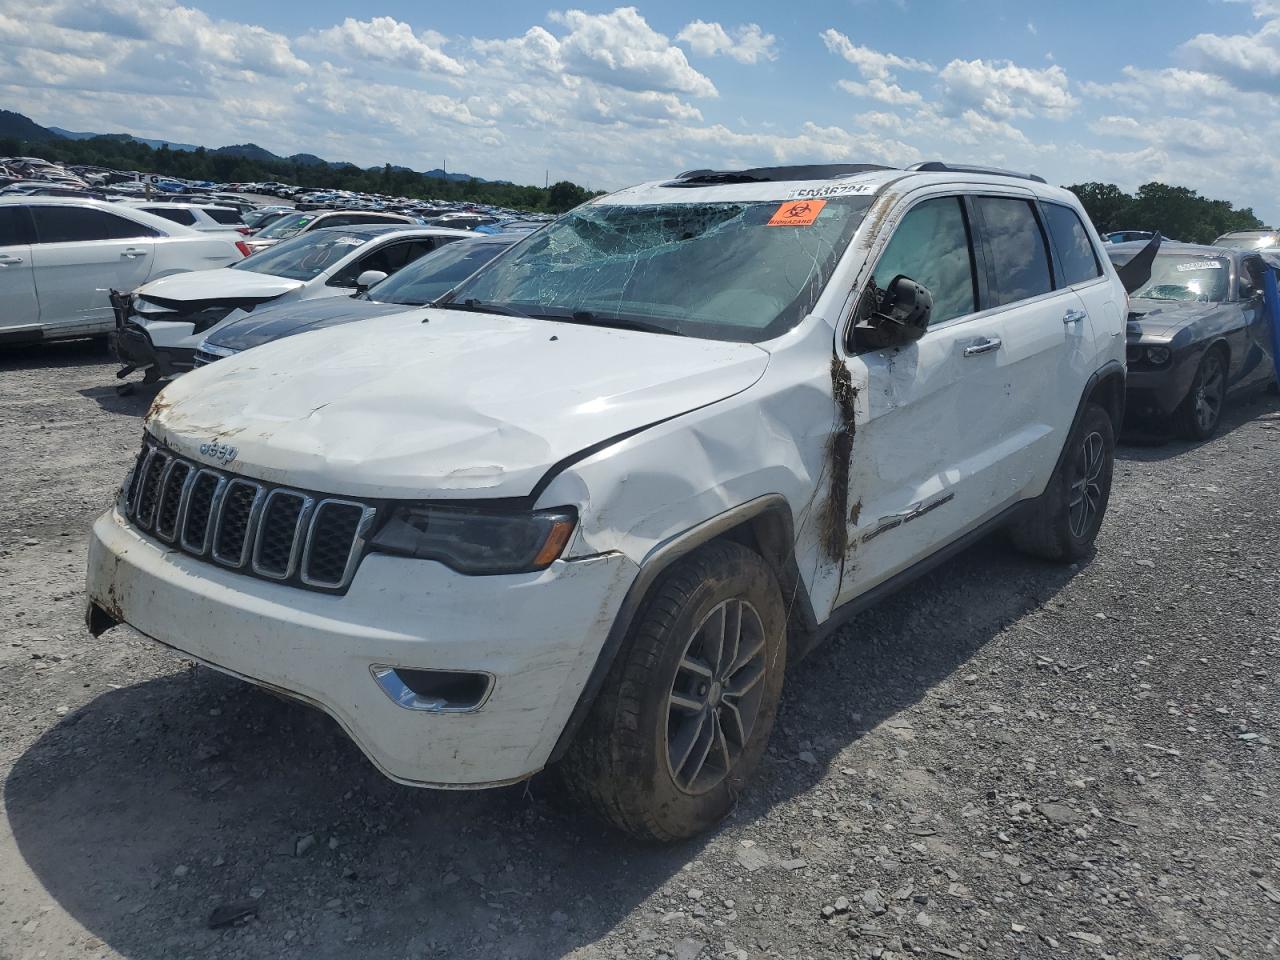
<point>20,311</point>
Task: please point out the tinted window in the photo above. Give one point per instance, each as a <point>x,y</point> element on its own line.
<point>224,216</point>
<point>931,246</point>
<point>67,224</point>
<point>432,277</point>
<point>388,259</point>
<point>1071,241</point>
<point>185,217</point>
<point>1020,260</point>
<point>14,226</point>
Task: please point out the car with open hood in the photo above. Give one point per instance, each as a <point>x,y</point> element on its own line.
<point>1198,333</point>
<point>583,510</point>
<point>425,280</point>
<point>159,325</point>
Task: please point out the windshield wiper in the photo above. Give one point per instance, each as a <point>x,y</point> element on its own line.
<point>587,318</point>
<point>479,306</point>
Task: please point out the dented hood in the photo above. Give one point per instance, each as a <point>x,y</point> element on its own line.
<point>222,284</point>
<point>440,404</point>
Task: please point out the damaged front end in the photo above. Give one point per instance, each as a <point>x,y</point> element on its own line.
<point>158,336</point>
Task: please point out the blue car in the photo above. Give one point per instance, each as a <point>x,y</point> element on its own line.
<point>416,285</point>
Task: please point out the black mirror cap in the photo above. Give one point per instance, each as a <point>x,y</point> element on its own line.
<point>904,310</point>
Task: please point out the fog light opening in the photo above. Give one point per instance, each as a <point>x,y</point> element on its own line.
<point>433,691</point>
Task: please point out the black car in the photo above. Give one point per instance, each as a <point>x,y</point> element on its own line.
<point>416,285</point>
<point>1198,332</point>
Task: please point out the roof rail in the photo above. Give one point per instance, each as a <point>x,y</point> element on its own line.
<point>937,166</point>
<point>812,171</point>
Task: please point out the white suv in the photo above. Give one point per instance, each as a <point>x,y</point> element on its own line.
<point>586,509</point>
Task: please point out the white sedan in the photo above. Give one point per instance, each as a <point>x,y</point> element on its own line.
<point>162,323</point>
<point>60,257</point>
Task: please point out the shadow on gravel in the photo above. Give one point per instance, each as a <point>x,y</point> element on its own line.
<point>1151,443</point>
<point>57,353</point>
<point>133,403</point>
<point>156,802</point>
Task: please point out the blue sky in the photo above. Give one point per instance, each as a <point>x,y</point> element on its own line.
<point>1184,91</point>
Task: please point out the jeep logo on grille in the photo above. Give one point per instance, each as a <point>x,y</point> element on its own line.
<point>220,453</point>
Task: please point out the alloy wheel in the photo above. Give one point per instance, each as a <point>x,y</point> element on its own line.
<point>1210,389</point>
<point>1086,489</point>
<point>715,698</point>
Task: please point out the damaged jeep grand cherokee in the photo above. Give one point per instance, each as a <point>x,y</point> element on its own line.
<point>584,511</point>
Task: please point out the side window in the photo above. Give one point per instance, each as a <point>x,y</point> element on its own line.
<point>931,246</point>
<point>73,224</point>
<point>1020,260</point>
<point>184,217</point>
<point>388,259</point>
<point>1071,241</point>
<point>15,226</point>
<point>228,217</point>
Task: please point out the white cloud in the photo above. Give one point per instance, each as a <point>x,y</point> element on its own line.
<point>1250,60</point>
<point>1004,90</point>
<point>621,49</point>
<point>885,92</point>
<point>387,40</point>
<point>749,43</point>
<point>870,63</point>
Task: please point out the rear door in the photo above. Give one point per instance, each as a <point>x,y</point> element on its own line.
<point>80,254</point>
<point>388,258</point>
<point>20,316</point>
<point>1047,350</point>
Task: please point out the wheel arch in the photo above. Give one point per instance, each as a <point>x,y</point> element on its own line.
<point>764,525</point>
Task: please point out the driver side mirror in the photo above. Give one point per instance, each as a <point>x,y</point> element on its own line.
<point>369,278</point>
<point>903,310</point>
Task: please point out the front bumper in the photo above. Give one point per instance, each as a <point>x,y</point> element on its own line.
<point>538,635</point>
<point>1156,393</point>
<point>133,347</point>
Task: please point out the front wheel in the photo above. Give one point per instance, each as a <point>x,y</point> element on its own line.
<point>1200,412</point>
<point>686,711</point>
<point>1064,521</point>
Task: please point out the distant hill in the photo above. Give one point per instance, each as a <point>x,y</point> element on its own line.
<point>153,144</point>
<point>16,125</point>
<point>24,128</point>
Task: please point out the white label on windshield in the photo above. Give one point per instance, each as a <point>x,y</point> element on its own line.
<point>836,190</point>
<point>1200,265</point>
<point>356,241</point>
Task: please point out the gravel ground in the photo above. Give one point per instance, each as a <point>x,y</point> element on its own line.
<point>1009,760</point>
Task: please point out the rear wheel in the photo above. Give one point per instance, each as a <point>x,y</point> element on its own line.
<point>1199,414</point>
<point>686,711</point>
<point>1064,521</point>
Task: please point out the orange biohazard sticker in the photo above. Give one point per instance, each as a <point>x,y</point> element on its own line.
<point>796,213</point>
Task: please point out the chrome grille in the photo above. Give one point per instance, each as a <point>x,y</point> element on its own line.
<point>279,533</point>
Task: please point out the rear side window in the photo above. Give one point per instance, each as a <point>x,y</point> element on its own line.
<point>1078,259</point>
<point>185,217</point>
<point>15,226</point>
<point>931,246</point>
<point>1020,260</point>
<point>71,224</point>
<point>225,216</point>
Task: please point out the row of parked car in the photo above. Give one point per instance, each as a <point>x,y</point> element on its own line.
<point>573,498</point>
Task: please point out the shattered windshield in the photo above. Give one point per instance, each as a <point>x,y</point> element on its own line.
<point>287,226</point>
<point>1179,276</point>
<point>743,270</point>
<point>304,257</point>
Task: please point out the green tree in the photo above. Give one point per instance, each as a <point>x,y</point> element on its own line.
<point>1105,203</point>
<point>565,196</point>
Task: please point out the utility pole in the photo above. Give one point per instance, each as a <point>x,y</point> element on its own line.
<point>546,179</point>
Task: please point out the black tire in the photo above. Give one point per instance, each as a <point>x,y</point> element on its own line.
<point>1200,412</point>
<point>1062,523</point>
<point>621,763</point>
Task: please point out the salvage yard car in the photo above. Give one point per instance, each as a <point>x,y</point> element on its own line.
<point>60,256</point>
<point>585,510</point>
<point>160,325</point>
<point>419,283</point>
<point>292,224</point>
<point>1198,333</point>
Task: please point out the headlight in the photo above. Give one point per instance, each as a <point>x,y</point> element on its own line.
<point>476,541</point>
<point>1158,356</point>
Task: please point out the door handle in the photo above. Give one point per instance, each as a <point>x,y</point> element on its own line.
<point>6,259</point>
<point>982,346</point>
<point>1074,316</point>
<point>133,253</point>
